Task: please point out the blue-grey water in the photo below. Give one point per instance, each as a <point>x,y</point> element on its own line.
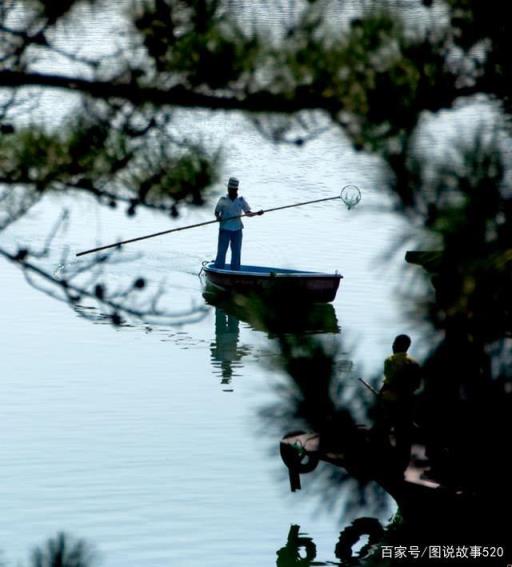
<point>146,439</point>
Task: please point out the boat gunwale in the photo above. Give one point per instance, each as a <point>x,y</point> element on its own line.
<point>289,274</point>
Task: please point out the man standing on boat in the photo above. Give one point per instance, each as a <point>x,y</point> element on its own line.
<point>230,229</point>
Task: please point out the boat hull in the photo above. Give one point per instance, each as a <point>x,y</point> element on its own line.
<point>294,285</point>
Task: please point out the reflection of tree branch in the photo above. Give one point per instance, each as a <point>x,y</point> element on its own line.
<point>296,130</point>
<point>92,63</point>
<point>100,193</point>
<point>64,550</point>
<point>120,155</point>
<point>15,206</point>
<point>263,101</point>
<point>314,398</point>
<point>118,303</point>
<point>39,38</point>
<point>45,250</point>
<point>6,104</point>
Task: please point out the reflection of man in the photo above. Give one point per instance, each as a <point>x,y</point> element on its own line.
<point>290,555</point>
<point>230,229</point>
<point>225,348</point>
<point>402,377</point>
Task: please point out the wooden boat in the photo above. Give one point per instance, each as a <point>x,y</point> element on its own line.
<point>312,287</point>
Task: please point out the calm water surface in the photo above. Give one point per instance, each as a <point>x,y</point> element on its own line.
<point>146,439</point>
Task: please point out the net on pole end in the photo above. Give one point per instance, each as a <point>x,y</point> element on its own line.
<point>350,195</point>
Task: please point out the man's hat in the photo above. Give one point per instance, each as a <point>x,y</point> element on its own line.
<point>233,183</point>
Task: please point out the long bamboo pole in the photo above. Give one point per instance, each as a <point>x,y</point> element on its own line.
<point>106,247</point>
<point>371,388</point>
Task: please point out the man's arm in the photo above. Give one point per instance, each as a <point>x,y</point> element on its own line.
<point>247,209</point>
<point>218,209</point>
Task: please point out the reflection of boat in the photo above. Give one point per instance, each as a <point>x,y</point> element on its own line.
<point>281,283</point>
<point>275,319</point>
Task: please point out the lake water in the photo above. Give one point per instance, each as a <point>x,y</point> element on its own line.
<point>146,440</point>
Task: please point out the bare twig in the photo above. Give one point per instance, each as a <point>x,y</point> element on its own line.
<point>113,302</point>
